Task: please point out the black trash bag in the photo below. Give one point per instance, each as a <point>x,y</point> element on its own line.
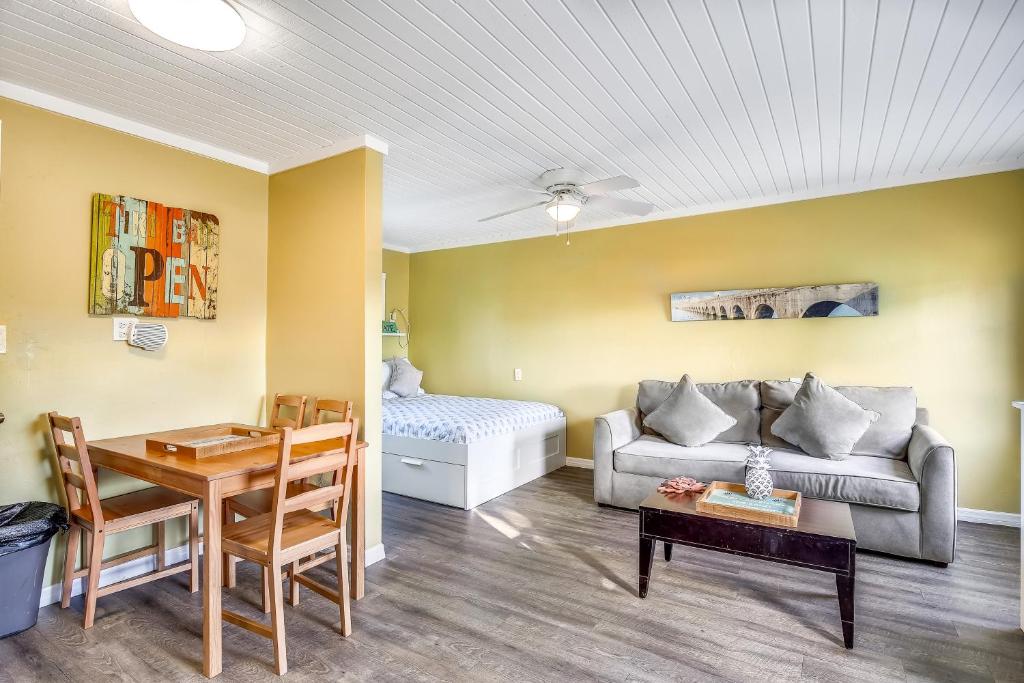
<point>23,525</point>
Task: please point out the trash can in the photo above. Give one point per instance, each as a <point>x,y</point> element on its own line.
<point>25,533</point>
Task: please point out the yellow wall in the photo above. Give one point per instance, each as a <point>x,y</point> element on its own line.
<point>586,322</point>
<point>396,265</point>
<point>59,357</point>
<point>324,293</point>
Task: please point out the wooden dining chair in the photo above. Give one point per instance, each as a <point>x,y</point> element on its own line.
<point>99,518</point>
<point>291,531</point>
<point>295,401</point>
<point>259,502</point>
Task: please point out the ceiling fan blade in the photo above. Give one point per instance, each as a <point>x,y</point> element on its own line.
<point>619,182</point>
<point>505,213</point>
<point>620,205</point>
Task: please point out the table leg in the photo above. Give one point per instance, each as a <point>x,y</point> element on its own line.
<point>668,552</point>
<point>844,584</point>
<point>212,579</point>
<point>646,562</point>
<point>357,575</point>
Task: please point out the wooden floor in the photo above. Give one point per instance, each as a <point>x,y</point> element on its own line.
<point>540,585</point>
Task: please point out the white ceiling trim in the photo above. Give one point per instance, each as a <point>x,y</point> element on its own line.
<point>60,105</point>
<point>396,247</point>
<point>816,193</point>
<point>82,112</point>
<point>332,150</point>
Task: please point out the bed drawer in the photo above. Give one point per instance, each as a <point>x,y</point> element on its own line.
<point>440,482</point>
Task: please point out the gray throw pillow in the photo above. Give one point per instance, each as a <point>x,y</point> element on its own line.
<point>740,399</point>
<point>688,417</point>
<point>823,422</point>
<point>405,378</point>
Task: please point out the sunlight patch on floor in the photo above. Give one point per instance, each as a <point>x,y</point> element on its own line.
<point>500,525</point>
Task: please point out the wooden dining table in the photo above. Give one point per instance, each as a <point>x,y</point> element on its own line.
<point>212,480</point>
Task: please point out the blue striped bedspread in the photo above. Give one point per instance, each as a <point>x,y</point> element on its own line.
<point>461,419</point>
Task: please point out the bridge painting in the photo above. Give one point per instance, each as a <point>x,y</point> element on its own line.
<point>814,301</point>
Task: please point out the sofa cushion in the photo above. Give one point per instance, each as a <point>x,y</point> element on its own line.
<point>653,456</point>
<point>740,400</point>
<point>823,422</point>
<point>688,417</point>
<point>860,479</point>
<point>888,437</point>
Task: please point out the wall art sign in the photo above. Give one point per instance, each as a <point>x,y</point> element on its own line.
<point>814,301</point>
<point>148,259</point>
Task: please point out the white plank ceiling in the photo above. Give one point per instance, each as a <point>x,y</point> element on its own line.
<point>710,105</point>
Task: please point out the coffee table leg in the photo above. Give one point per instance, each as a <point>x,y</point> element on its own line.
<point>646,562</point>
<point>844,584</point>
<point>668,552</point>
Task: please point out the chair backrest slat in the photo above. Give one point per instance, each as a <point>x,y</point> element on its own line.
<point>316,465</point>
<point>68,451</point>
<point>75,480</point>
<point>324,432</point>
<point>308,499</point>
<point>324,407</point>
<point>81,489</point>
<point>329,405</point>
<point>296,401</point>
<point>339,463</point>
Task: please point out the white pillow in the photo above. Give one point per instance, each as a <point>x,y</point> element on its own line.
<point>405,378</point>
<point>385,376</point>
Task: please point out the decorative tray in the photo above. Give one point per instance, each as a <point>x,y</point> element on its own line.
<point>726,499</point>
<point>206,442</point>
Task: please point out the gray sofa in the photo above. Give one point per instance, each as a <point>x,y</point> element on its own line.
<point>900,481</point>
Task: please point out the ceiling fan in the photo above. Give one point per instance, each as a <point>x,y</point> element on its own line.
<point>566,195</point>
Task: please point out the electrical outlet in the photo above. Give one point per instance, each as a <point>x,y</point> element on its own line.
<point>121,326</point>
<point>3,338</point>
<point>517,375</point>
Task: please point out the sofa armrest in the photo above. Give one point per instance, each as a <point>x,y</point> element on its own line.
<point>611,431</point>
<point>933,463</point>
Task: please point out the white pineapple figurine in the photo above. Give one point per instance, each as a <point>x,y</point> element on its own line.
<point>758,481</point>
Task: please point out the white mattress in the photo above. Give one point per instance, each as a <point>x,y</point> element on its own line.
<point>461,419</point>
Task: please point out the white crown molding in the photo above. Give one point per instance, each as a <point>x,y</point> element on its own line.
<point>816,193</point>
<point>60,105</point>
<point>332,150</point>
<point>395,247</point>
<point>51,594</point>
<point>83,112</point>
<point>988,517</point>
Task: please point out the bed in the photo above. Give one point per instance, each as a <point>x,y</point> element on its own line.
<point>463,451</point>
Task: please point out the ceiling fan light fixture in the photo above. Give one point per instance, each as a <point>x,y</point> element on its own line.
<point>563,208</point>
<point>208,25</point>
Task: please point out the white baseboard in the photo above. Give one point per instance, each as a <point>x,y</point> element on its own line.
<point>374,554</point>
<point>583,463</point>
<point>988,517</point>
<point>51,594</point>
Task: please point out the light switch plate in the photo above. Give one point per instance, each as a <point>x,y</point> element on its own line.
<point>3,338</point>
<point>121,328</point>
<point>517,375</point>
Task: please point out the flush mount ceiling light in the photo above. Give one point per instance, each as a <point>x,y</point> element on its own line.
<point>210,25</point>
<point>564,207</point>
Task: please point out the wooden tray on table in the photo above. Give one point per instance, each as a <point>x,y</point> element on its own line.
<point>725,499</point>
<point>206,442</point>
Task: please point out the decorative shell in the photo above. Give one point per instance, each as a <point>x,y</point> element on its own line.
<point>681,485</point>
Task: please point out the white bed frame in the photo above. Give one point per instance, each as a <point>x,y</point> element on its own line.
<point>466,475</point>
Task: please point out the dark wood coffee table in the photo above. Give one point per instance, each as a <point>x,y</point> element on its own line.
<point>824,540</point>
